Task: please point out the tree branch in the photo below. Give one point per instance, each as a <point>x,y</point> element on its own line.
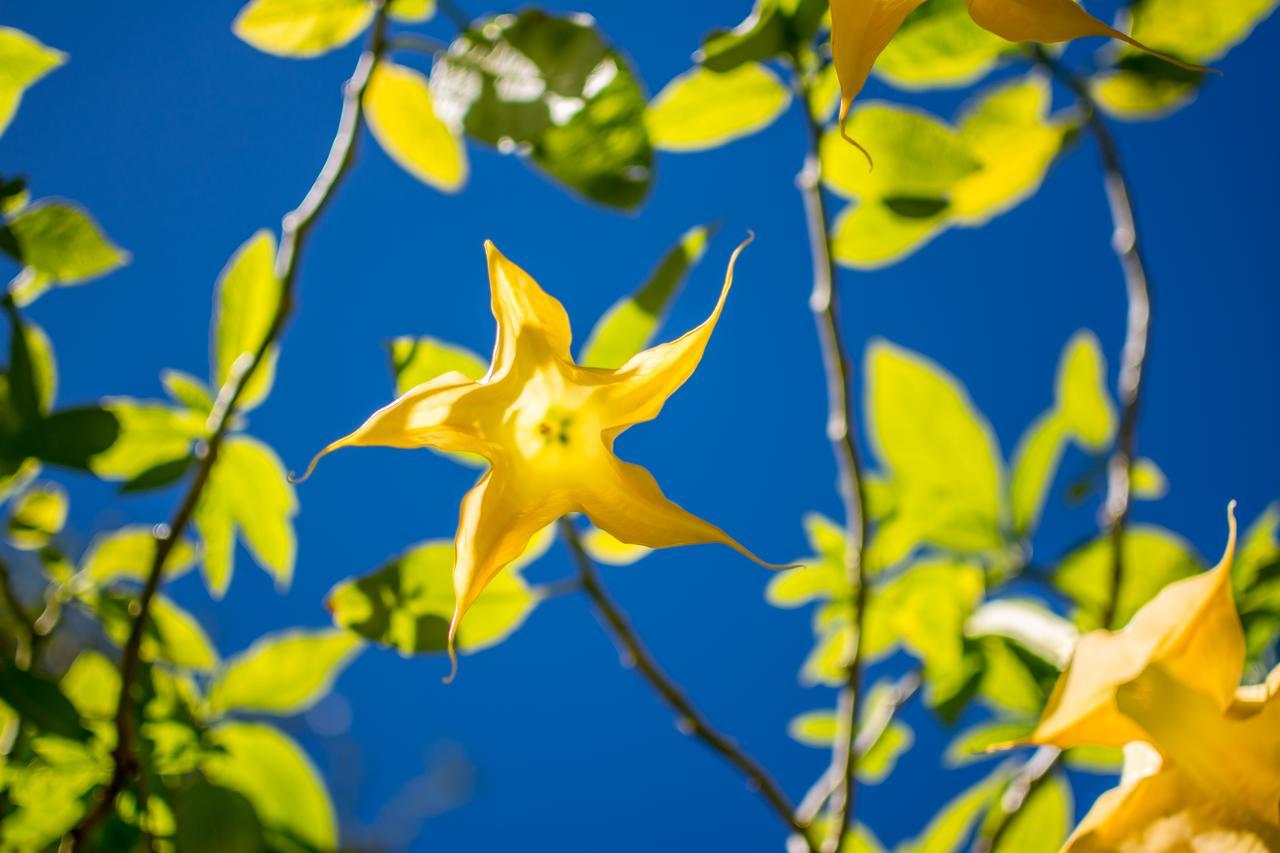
<point>690,721</point>
<point>840,432</point>
<point>295,227</point>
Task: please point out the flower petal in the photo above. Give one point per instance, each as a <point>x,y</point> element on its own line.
<point>1191,628</point>
<point>638,390</point>
<point>1049,22</point>
<point>525,312</point>
<point>442,413</point>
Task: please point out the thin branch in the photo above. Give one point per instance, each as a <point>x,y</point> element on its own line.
<point>295,227</point>
<point>840,432</point>
<point>691,721</point>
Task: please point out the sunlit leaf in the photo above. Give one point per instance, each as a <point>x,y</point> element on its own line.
<point>411,11</point>
<point>173,634</point>
<point>149,434</point>
<point>937,449</point>
<point>285,673</point>
<point>814,728</point>
<point>92,684</point>
<point>1041,825</point>
<point>703,109</point>
<point>975,743</point>
<point>32,381</point>
<point>37,516</point>
<point>1012,678</point>
<point>408,603</point>
<point>827,662</point>
<point>276,776</point>
<point>1195,32</point>
<point>126,554</point>
<point>951,825</point>
<point>418,360</point>
<point>23,61</point>
<point>302,28</point>
<point>187,390</point>
<point>878,761</point>
<point>1102,760</point>
<point>553,88</point>
<point>248,296</point>
<point>869,235</point>
<point>824,94</point>
<point>761,35</point>
<point>1142,87</point>
<point>1149,482</point>
<point>605,548</point>
<point>48,795</point>
<point>1035,462</point>
<point>61,244</point>
<point>939,45</point>
<point>400,114</point>
<point>1153,558</point>
<point>1082,398</point>
<point>631,323</point>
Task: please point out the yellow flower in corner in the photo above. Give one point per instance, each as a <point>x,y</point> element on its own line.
<point>546,426</point>
<point>1202,754</point>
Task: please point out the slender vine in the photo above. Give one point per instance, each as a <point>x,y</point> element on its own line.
<point>1119,494</point>
<point>691,720</point>
<point>824,304</point>
<point>295,228</point>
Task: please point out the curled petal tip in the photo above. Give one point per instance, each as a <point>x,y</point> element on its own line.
<point>453,653</point>
<point>293,475</point>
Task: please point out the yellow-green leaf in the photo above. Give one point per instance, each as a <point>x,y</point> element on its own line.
<point>23,61</point>
<point>703,109</point>
<point>879,760</point>
<point>977,742</point>
<point>1041,825</point>
<point>187,390</point>
<point>1082,399</point>
<point>302,28</point>
<point>173,634</point>
<point>418,360</point>
<point>150,434</point>
<point>631,322</point>
<point>814,728</point>
<point>939,45</point>
<point>248,297</point>
<point>400,114</point>
<point>1143,87</point>
<point>126,554</point>
<point>1153,558</point>
<point>278,778</point>
<point>950,826</point>
<point>92,683</point>
<point>61,244</point>
<point>1149,482</point>
<point>868,235</point>
<point>411,11</point>
<point>285,673</point>
<point>1197,32</point>
<point>1035,461</point>
<point>37,516</point>
<point>605,548</point>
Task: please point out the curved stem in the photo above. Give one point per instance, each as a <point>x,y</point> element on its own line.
<point>1119,497</point>
<point>295,227</point>
<point>691,721</point>
<point>840,419</point>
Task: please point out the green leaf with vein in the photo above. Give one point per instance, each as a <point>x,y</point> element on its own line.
<point>149,434</point>
<point>703,109</point>
<point>126,554</point>
<point>408,603</point>
<point>938,46</point>
<point>278,778</point>
<point>37,516</point>
<point>23,61</point>
<point>59,244</point>
<point>302,28</point>
<point>399,110</point>
<point>285,673</point>
<point>939,453</point>
<point>249,495</point>
<point>248,297</point>
<point>774,28</point>
<point>631,323</point>
<point>1153,558</point>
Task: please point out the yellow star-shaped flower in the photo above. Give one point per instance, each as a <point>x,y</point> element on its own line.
<point>546,426</point>
<point>1202,754</point>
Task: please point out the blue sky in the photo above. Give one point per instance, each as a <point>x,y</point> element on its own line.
<point>183,141</point>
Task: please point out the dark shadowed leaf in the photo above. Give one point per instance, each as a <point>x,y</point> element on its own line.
<point>211,819</point>
<point>40,702</point>
<point>71,437</point>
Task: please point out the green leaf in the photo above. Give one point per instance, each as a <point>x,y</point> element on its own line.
<point>23,61</point>
<point>73,438</point>
<point>631,323</point>
<point>1082,399</point>
<point>976,742</point>
<point>1041,825</point>
<point>1141,87</point>
<point>400,114</point>
<point>1149,483</point>
<point>187,390</point>
<point>248,297</point>
<point>774,28</point>
<point>827,662</point>
<point>704,109</point>
<point>418,360</point>
<point>249,493</point>
<point>149,434</point>
<point>1195,32</point>
<point>939,45</point>
<point>32,381</point>
<point>285,673</point>
<point>173,634</point>
<point>605,548</point>
<point>92,684</point>
<point>1101,760</point>
<point>939,452</point>
<point>554,88</point>
<point>279,780</point>
<point>37,516</point>
<point>1153,558</point>
<point>302,28</point>
<point>40,702</point>
<point>1035,462</point>
<point>950,826</point>
<point>49,793</point>
<point>814,728</point>
<point>806,583</point>
<point>878,762</point>
<point>213,819</point>
<point>411,11</point>
<point>158,476</point>
<point>127,553</point>
<point>869,235</point>
<point>61,244</point>
<point>408,603</point>
<point>1013,679</point>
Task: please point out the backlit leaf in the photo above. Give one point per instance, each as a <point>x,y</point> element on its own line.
<point>1082,399</point>
<point>411,11</point>
<point>37,516</point>
<point>868,235</point>
<point>149,434</point>
<point>248,296</point>
<point>73,438</point>
<point>976,743</point>
<point>302,28</point>
<point>605,548</point>
<point>285,673</point>
<point>1149,482</point>
<point>878,762</point>
<point>187,390</point>
<point>1153,558</point>
<point>126,554</point>
<point>1041,825</point>
<point>92,684</point>
<point>173,634</point>
<point>939,45</point>
<point>814,728</point>
<point>61,244</point>
<point>948,829</point>
<point>1035,462</point>
<point>703,109</point>
<point>418,360</point>
<point>400,114</point>
<point>23,61</point>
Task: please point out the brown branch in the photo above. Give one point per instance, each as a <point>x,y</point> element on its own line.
<point>840,419</point>
<point>295,227</point>
<point>691,721</point>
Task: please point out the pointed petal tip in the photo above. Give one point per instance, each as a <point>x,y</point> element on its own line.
<point>453,651</point>
<point>1229,553</point>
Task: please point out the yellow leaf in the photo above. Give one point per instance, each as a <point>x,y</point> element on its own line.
<point>302,28</point>
<point>703,109</point>
<point>23,61</point>
<point>399,111</point>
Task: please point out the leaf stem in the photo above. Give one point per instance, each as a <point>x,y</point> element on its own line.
<point>690,720</point>
<point>824,304</point>
<point>295,228</point>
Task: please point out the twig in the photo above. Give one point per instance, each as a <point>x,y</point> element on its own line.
<point>295,227</point>
<point>840,419</point>
<point>691,721</point>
